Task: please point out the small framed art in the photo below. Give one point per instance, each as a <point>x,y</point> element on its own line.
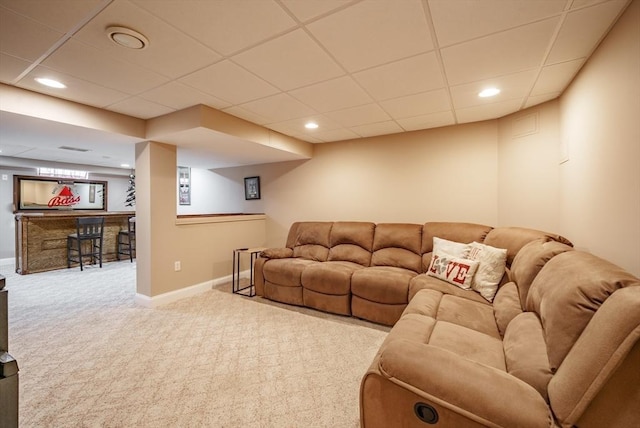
<point>251,188</point>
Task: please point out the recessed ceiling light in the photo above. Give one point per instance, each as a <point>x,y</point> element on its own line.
<point>125,165</point>
<point>50,83</point>
<point>489,92</point>
<point>311,125</point>
<point>128,38</point>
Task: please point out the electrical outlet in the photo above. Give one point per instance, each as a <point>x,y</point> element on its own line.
<point>177,267</point>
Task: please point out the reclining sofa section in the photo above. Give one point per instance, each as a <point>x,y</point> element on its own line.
<point>367,270</point>
<point>558,345</point>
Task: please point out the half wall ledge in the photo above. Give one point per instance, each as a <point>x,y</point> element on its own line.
<point>217,218</point>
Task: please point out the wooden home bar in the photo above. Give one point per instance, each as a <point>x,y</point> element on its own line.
<point>46,212</point>
<point>41,238</point>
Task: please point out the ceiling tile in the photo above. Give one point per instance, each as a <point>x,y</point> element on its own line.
<point>408,76</point>
<point>8,149</point>
<point>498,54</point>
<point>278,108</point>
<point>78,90</point>
<point>582,30</point>
<point>374,32</point>
<point>11,68</point>
<point>133,106</point>
<point>60,15</point>
<point>179,96</point>
<point>577,4</point>
<point>539,99</point>
<point>461,20</point>
<point>227,26</point>
<point>20,37</point>
<point>91,64</point>
<point>512,86</point>
<point>229,82</point>
<point>425,121</point>
<point>307,138</point>
<point>333,94</point>
<point>419,104</point>
<point>242,113</point>
<point>487,111</point>
<point>290,61</point>
<point>555,78</point>
<point>296,126</point>
<point>361,115</point>
<point>335,135</point>
<point>165,42</point>
<point>307,10</point>
<point>380,128</point>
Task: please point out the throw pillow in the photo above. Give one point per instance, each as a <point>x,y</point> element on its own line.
<point>452,248</point>
<point>454,270</point>
<point>493,263</point>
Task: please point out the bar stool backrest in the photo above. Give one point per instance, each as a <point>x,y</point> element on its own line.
<point>89,227</point>
<point>132,226</point>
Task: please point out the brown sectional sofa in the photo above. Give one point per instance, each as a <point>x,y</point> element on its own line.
<point>559,344</point>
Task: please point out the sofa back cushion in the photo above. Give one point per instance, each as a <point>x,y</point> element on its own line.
<point>514,238</point>
<point>530,260</point>
<point>352,242</point>
<point>567,292</point>
<point>451,231</point>
<point>398,245</point>
<point>597,383</point>
<point>525,352</point>
<point>312,240</point>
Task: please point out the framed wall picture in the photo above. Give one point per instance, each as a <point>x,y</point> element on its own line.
<point>184,181</point>
<point>251,188</point>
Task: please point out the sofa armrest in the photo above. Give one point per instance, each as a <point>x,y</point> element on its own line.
<point>277,253</point>
<point>488,395</point>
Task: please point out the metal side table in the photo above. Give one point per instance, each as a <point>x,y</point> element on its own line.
<point>250,289</point>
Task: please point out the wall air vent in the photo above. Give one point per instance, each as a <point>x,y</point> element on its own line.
<point>74,149</point>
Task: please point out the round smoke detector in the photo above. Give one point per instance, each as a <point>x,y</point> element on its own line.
<point>128,38</point>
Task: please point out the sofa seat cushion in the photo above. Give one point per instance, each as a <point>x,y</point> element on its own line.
<point>382,284</point>
<point>456,310</point>
<point>462,341</point>
<point>413,327</point>
<point>469,344</point>
<point>330,277</point>
<point>286,272</point>
<point>424,281</point>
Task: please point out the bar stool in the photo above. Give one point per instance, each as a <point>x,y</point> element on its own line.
<point>88,230</point>
<point>127,240</point>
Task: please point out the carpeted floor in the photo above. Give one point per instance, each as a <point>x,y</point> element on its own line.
<point>89,357</point>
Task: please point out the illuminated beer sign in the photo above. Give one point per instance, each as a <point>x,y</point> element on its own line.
<point>41,194</point>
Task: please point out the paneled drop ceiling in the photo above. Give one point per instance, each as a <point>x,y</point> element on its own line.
<point>358,68</point>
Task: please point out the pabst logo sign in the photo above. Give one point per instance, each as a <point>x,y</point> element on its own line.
<point>64,198</point>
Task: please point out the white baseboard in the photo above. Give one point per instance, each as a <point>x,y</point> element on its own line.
<point>193,290</point>
<point>8,261</point>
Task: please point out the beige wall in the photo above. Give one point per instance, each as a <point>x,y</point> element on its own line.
<point>498,172</point>
<point>529,169</point>
<point>439,174</point>
<point>204,250</point>
<point>600,117</point>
